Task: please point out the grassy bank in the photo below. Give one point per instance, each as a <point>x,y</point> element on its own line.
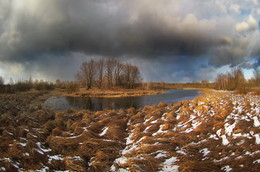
<point>218,131</point>
<point>82,92</point>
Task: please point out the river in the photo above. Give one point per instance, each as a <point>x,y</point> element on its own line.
<point>171,96</point>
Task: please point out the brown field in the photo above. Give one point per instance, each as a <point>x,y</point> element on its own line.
<point>218,131</point>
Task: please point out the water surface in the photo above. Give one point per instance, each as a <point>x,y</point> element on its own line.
<point>95,104</point>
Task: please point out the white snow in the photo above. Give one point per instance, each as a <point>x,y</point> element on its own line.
<point>104,131</point>
<point>154,122</point>
<point>23,144</point>
<point>219,132</point>
<point>256,161</point>
<point>224,140</point>
<point>163,117</point>
<point>169,166</point>
<point>42,149</point>
<point>213,136</point>
<point>240,143</point>
<point>159,131</point>
<point>147,120</point>
<point>256,121</point>
<point>26,154</point>
<point>55,157</point>
<point>75,158</point>
<point>161,154</point>
<point>113,168</point>
<point>196,124</point>
<point>257,139</point>
<point>129,140</point>
<point>129,148</point>
<point>121,160</point>
<point>229,128</point>
<point>6,159</point>
<point>226,168</point>
<point>181,152</point>
<point>147,128</point>
<point>205,151</point>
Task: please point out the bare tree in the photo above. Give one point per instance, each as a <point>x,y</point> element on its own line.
<point>238,79</point>
<point>111,71</point>
<point>131,76</point>
<point>87,73</point>
<point>110,66</point>
<point>118,74</point>
<point>257,76</point>
<point>135,76</point>
<point>100,72</point>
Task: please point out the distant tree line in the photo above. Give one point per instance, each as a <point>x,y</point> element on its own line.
<point>107,73</point>
<point>168,86</point>
<point>233,80</point>
<point>25,86</point>
<point>256,80</point>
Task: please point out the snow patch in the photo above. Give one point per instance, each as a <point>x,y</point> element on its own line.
<point>55,157</point>
<point>257,139</point>
<point>226,168</point>
<point>256,121</point>
<point>256,161</point>
<point>104,131</point>
<point>121,160</point>
<point>229,128</point>
<point>42,149</point>
<point>161,154</point>
<point>169,166</point>
<point>205,151</point>
<point>224,140</point>
<point>23,144</point>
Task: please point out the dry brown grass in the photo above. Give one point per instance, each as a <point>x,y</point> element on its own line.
<point>92,141</point>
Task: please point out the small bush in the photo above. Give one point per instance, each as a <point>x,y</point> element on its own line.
<point>72,87</point>
<point>23,86</point>
<point>44,86</point>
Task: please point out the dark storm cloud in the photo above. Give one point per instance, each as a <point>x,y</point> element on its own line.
<point>98,27</point>
<point>34,32</point>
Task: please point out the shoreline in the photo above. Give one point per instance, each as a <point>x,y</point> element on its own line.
<point>107,93</point>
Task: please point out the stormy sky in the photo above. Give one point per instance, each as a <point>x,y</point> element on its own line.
<point>170,40</point>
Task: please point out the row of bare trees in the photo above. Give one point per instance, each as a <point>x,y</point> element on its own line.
<point>231,81</point>
<point>108,73</point>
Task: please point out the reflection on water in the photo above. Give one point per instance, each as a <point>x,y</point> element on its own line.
<point>171,96</point>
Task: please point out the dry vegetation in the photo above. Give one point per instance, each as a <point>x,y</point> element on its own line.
<point>83,92</point>
<point>218,131</point>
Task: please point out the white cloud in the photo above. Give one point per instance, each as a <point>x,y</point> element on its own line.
<point>255,2</point>
<point>221,6</point>
<point>250,25</point>
<point>235,8</point>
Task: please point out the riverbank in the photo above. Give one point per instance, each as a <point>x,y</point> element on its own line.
<point>111,93</point>
<point>217,131</point>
